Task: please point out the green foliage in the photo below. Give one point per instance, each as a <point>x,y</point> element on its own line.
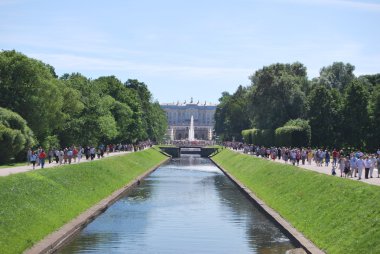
<point>373,138</point>
<point>338,75</point>
<point>356,117</point>
<point>29,88</point>
<point>32,203</point>
<point>334,213</point>
<point>74,109</point>
<point>51,142</point>
<point>15,135</point>
<point>277,95</point>
<point>258,137</point>
<point>340,108</point>
<point>295,133</point>
<point>247,137</point>
<point>230,115</point>
<point>324,115</point>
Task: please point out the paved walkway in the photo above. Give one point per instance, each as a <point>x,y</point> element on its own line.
<point>21,169</point>
<point>327,170</point>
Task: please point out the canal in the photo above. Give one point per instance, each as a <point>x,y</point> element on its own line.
<point>186,206</point>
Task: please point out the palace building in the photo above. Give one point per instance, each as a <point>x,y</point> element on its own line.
<point>179,118</point>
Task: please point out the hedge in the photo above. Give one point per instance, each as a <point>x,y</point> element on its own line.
<point>294,133</point>
<point>263,137</point>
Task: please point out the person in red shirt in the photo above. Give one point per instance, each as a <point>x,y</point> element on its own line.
<point>335,155</point>
<point>75,154</point>
<point>42,157</point>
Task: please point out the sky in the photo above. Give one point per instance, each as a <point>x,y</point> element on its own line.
<point>199,48</point>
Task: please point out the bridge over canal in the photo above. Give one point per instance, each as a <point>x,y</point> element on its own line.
<point>176,151</point>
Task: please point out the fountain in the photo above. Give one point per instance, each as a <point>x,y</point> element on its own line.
<point>191,130</point>
<point>172,134</point>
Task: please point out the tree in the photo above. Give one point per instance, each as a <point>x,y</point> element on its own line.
<point>373,138</point>
<point>29,88</point>
<point>15,135</point>
<point>355,112</point>
<point>338,75</point>
<point>324,116</point>
<point>231,115</point>
<point>277,95</point>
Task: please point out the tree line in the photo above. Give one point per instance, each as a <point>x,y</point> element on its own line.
<point>282,106</point>
<point>39,108</point>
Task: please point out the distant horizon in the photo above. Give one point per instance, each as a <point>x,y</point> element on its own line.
<point>192,49</point>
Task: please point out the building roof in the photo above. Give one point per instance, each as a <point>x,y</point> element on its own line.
<point>184,104</point>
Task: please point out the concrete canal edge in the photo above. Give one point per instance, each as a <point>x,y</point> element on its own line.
<point>56,240</point>
<point>293,233</point>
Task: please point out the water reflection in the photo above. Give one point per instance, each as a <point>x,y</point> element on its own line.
<point>186,206</point>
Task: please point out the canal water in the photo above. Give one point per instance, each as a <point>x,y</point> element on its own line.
<point>186,206</point>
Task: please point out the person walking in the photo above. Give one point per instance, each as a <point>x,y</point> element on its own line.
<point>50,155</point>
<point>372,165</point>
<point>92,153</point>
<point>75,154</point>
<point>353,166</point>
<point>347,167</point>
<point>327,158</point>
<point>61,156</point>
<point>310,156</point>
<point>342,164</point>
<point>69,155</point>
<point>56,155</point>
<point>42,157</point>
<point>80,152</point>
<point>335,157</point>
<point>367,166</point>
<point>33,158</point>
<point>28,156</point>
<point>360,166</point>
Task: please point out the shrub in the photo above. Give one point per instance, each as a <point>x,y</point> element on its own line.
<point>258,136</point>
<point>294,133</point>
<point>15,135</point>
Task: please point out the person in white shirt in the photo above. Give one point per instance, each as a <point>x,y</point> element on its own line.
<point>353,166</point>
<point>372,165</point>
<point>360,167</point>
<point>367,166</point>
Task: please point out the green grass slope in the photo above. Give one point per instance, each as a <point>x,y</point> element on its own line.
<point>34,204</point>
<point>338,215</point>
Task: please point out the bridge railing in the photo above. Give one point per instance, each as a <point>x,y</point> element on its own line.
<point>196,143</point>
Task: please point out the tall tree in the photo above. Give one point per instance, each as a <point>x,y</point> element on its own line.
<point>231,116</point>
<point>355,111</point>
<point>324,116</point>
<point>29,88</point>
<point>373,138</point>
<point>338,75</point>
<point>277,95</point>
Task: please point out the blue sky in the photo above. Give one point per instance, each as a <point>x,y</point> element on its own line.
<point>199,49</point>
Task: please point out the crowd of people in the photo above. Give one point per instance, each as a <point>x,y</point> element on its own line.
<point>74,154</point>
<point>349,164</point>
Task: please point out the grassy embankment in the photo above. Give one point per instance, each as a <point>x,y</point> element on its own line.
<point>34,204</point>
<point>338,215</point>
